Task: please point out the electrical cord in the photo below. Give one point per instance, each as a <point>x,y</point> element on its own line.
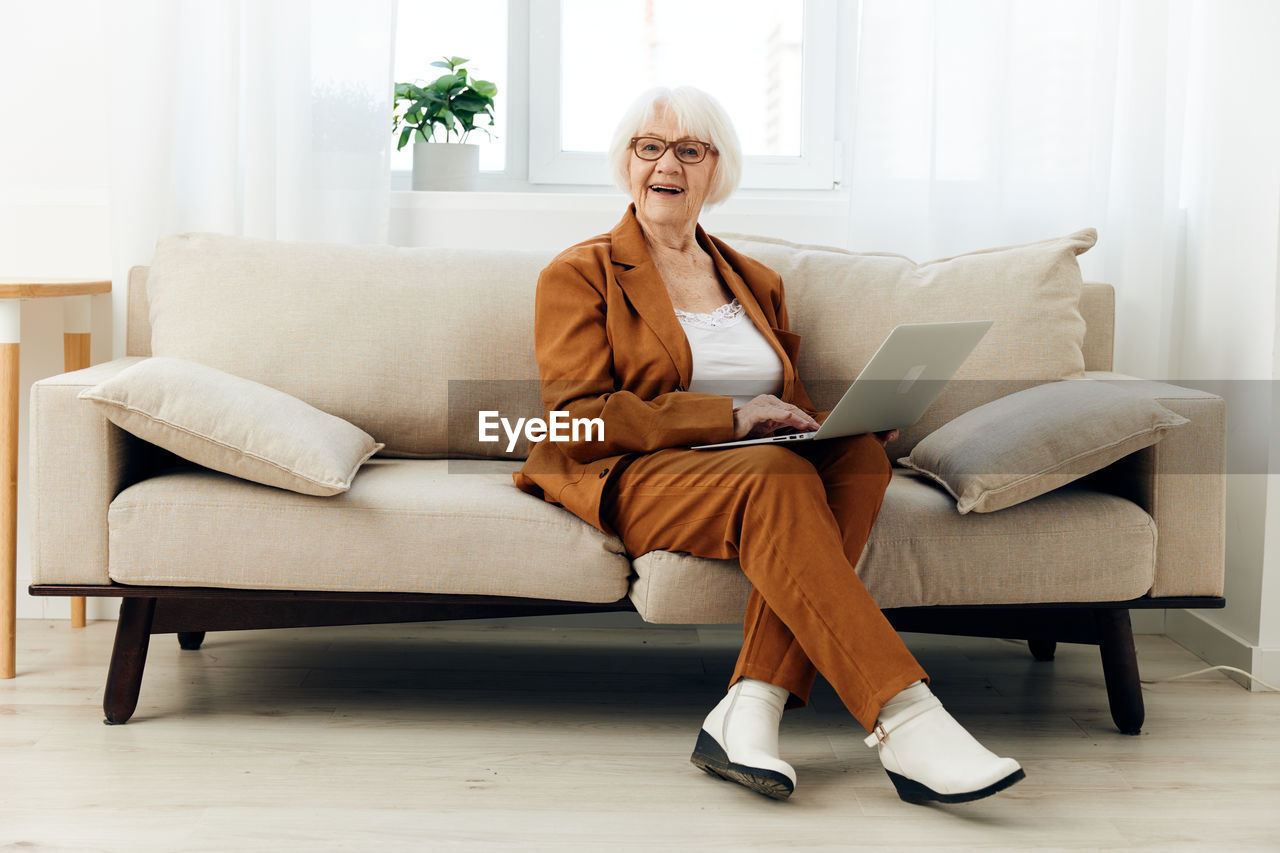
<point>1222,667</point>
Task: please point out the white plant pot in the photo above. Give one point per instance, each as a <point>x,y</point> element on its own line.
<point>445,166</point>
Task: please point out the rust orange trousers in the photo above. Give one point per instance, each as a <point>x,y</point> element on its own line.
<point>797,518</point>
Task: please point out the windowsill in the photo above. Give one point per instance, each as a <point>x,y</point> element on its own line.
<point>748,202</point>
<point>520,215</point>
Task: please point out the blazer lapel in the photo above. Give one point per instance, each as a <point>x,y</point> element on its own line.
<point>643,285</point>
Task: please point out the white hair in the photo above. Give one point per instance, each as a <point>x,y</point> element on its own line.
<point>699,116</point>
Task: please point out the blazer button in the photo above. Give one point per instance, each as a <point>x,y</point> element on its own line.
<point>603,472</point>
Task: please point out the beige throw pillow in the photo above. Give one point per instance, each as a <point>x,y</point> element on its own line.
<point>234,425</point>
<point>1023,445</point>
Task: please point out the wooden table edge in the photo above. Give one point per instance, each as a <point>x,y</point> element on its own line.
<point>40,289</point>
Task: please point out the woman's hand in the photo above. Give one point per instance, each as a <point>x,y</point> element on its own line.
<point>766,414</point>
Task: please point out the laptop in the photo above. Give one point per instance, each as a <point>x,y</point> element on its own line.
<point>901,381</point>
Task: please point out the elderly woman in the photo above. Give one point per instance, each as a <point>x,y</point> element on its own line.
<point>673,339</point>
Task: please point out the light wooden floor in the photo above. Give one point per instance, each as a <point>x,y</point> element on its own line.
<point>440,737</point>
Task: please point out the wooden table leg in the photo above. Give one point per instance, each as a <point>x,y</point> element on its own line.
<point>76,323</point>
<point>10,332</point>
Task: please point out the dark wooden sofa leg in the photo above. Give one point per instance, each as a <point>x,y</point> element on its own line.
<point>190,640</point>
<point>1042,650</point>
<point>128,658</point>
<point>1120,669</point>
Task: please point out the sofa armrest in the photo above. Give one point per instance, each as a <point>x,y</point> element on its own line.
<point>1181,482</point>
<point>79,461</point>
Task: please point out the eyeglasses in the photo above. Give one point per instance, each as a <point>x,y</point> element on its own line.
<point>689,151</point>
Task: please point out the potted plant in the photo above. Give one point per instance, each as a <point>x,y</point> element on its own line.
<point>432,115</point>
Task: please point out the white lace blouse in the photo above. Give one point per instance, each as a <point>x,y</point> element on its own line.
<point>730,355</point>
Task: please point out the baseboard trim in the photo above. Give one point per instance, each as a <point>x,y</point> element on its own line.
<point>1220,646</point>
<point>1266,665</point>
<point>33,607</point>
<point>1147,621</point>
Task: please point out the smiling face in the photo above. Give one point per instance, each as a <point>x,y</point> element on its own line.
<point>668,193</point>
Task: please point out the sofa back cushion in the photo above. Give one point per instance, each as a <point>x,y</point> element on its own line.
<point>408,344</point>
<point>376,335</point>
<point>846,303</point>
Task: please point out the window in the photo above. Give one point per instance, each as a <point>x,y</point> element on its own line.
<point>566,70</point>
<point>770,62</point>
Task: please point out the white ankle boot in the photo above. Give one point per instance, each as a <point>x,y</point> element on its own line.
<point>739,739</point>
<point>930,757</point>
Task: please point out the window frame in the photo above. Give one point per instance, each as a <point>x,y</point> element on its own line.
<point>530,122</point>
<point>815,168</point>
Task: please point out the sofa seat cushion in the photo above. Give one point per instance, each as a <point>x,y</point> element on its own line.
<point>1072,544</point>
<point>405,525</point>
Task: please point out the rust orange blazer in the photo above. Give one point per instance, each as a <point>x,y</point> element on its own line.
<point>609,346</point>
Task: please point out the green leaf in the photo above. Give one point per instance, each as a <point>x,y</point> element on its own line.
<point>404,138</point>
<point>457,60</point>
<point>484,87</point>
<point>470,103</point>
<point>440,64</point>
<point>444,83</point>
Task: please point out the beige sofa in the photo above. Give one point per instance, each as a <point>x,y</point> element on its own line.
<point>408,344</point>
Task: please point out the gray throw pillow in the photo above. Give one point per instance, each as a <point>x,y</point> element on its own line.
<point>1012,449</point>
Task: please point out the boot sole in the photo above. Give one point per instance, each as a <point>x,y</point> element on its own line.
<point>711,758</point>
<point>912,791</point>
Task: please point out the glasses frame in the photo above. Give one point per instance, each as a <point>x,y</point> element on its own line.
<point>666,146</point>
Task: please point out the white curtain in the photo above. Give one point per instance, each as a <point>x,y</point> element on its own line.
<point>989,122</point>
<point>264,118</point>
